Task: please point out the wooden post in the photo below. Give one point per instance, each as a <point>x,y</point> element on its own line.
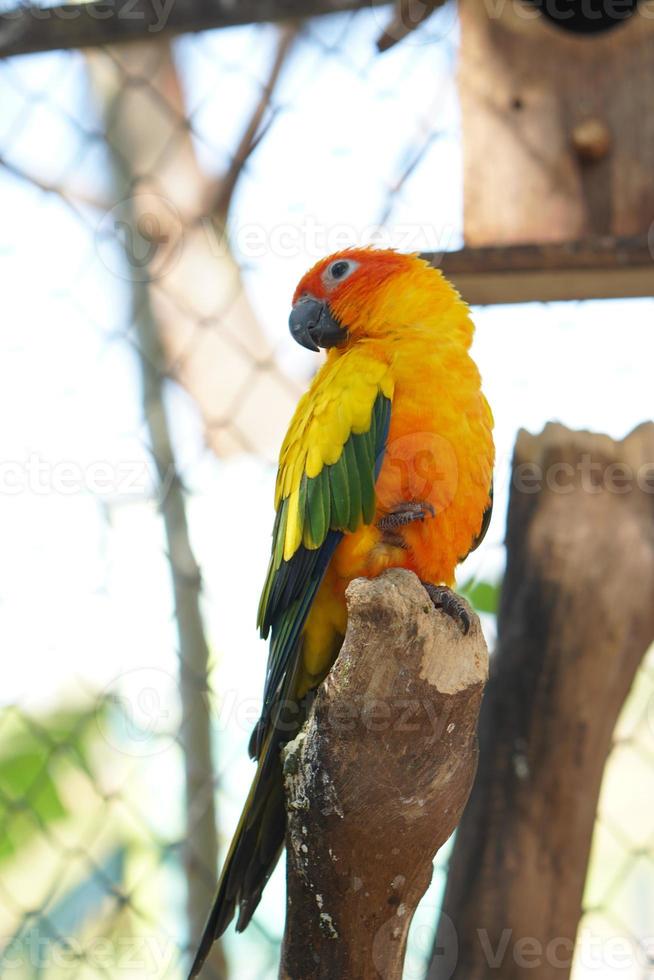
<point>576,618</point>
<point>377,780</point>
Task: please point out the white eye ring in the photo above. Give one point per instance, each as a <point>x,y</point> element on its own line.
<point>339,270</point>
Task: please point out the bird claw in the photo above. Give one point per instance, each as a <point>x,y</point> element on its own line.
<point>451,604</point>
<point>406,513</point>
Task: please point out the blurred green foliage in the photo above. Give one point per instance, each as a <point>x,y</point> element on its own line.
<point>484,597</point>
<point>33,752</point>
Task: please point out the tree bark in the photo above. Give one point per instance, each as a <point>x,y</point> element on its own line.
<point>25,29</point>
<point>377,780</point>
<point>576,618</point>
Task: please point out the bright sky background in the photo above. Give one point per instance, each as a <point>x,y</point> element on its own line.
<point>84,591</point>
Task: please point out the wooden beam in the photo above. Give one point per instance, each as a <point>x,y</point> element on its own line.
<point>602,268</point>
<point>27,29</point>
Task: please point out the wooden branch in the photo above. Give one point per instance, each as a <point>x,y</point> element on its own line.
<point>406,18</point>
<point>595,268</point>
<point>200,851</point>
<point>253,131</point>
<point>131,139</point>
<point>69,195</point>
<point>395,188</point>
<point>377,780</point>
<point>576,618</point>
<point>213,343</point>
<point>24,30</point>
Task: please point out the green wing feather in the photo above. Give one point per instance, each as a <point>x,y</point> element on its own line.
<point>338,499</point>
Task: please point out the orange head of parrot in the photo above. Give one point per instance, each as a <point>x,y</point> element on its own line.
<point>369,293</point>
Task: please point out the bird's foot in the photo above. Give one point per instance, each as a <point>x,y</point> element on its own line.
<point>451,604</point>
<point>405,513</point>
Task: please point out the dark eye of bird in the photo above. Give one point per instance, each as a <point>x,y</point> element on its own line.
<point>339,269</point>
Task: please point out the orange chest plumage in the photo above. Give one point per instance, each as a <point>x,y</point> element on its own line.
<point>439,451</point>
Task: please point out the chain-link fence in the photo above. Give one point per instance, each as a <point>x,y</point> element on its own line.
<point>160,200</point>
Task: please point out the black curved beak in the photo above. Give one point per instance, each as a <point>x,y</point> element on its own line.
<point>313,326</point>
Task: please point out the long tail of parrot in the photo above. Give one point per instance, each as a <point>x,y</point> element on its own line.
<point>253,854</point>
<point>259,837</point>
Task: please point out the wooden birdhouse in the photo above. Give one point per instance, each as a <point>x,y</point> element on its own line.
<point>558,144</point>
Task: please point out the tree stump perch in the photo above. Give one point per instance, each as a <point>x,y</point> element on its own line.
<point>377,780</point>
<point>576,617</point>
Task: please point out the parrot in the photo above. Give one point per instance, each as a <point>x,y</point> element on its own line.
<point>387,463</point>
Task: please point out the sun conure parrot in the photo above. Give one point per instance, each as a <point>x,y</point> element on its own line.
<point>387,463</point>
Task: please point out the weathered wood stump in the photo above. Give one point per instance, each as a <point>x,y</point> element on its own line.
<point>377,780</point>
<point>576,617</point>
